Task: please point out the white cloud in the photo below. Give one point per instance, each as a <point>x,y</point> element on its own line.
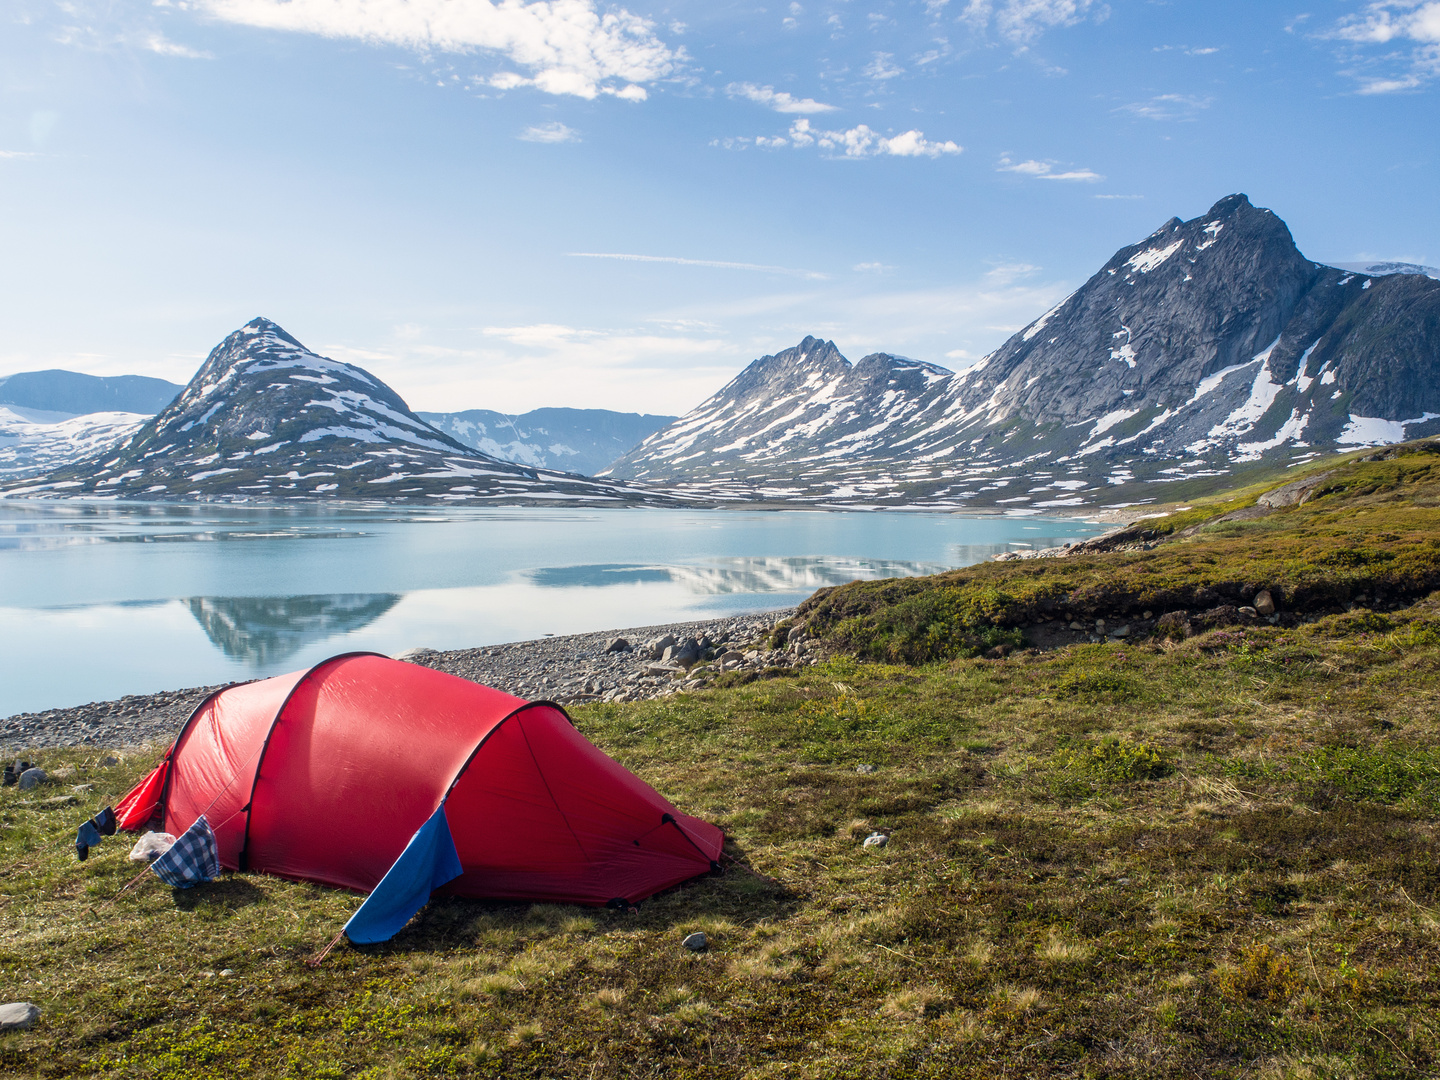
<point>568,46</point>
<point>1022,21</point>
<point>788,271</point>
<point>1117,196</point>
<point>1395,21</point>
<point>1045,170</point>
<point>158,43</point>
<point>18,154</point>
<point>779,100</point>
<point>1167,107</point>
<point>553,132</point>
<point>862,142</point>
<point>880,68</point>
<point>872,268</point>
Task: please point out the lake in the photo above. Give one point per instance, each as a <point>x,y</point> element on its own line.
<point>98,600</point>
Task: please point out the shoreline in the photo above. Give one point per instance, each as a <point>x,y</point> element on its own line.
<point>567,669</point>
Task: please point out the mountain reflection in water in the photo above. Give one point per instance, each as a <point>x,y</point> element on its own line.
<point>740,574</point>
<point>264,630</point>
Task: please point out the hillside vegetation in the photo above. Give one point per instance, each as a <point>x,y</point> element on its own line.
<point>1208,853</point>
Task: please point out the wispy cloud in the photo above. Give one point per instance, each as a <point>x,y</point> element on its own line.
<point>880,68</point>
<point>713,263</point>
<point>1167,107</point>
<point>1022,21</point>
<point>553,132</point>
<point>1205,50</point>
<point>1117,196</point>
<point>160,44</point>
<point>1390,22</point>
<point>18,154</point>
<point>568,47</point>
<point>1006,273</point>
<point>779,100</point>
<point>1046,170</point>
<point>872,268</point>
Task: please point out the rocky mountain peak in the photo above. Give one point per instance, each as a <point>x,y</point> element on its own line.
<point>1209,344</point>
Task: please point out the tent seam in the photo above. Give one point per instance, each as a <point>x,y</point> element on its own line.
<point>242,859</point>
<point>553,802</point>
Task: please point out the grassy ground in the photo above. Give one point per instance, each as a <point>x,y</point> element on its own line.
<point>1204,857</point>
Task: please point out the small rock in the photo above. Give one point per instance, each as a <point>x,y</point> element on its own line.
<point>657,649</point>
<point>227,972</point>
<point>109,762</point>
<point>1264,602</point>
<point>865,770</point>
<point>876,839</point>
<point>696,942</point>
<point>1120,631</point>
<point>31,778</point>
<point>1148,615</point>
<point>1249,612</point>
<point>1099,626</point>
<point>797,633</point>
<point>731,656</point>
<point>1077,626</point>
<point>618,644</point>
<point>18,1015</point>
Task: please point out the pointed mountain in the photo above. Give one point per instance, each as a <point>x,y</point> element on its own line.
<point>266,418</point>
<point>1208,348</point>
<point>805,406</point>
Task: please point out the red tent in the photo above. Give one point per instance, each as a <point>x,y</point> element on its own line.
<point>326,775</point>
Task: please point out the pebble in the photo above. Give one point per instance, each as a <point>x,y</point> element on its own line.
<point>876,839</point>
<point>568,670</point>
<point>696,942</point>
<point>18,1015</point>
<point>865,770</point>
<point>31,778</point>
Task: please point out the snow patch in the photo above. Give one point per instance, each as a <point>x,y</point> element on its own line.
<point>1371,430</point>
<point>1149,259</point>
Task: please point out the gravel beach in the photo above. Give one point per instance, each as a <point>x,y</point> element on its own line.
<point>571,669</point>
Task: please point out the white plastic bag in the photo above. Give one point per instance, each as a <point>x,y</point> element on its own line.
<point>151,846</point>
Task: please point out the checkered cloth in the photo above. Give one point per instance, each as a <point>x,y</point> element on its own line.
<point>191,859</point>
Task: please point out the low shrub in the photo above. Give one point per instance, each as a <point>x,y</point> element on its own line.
<point>1118,761</point>
<point>1262,974</point>
<point>1391,773</point>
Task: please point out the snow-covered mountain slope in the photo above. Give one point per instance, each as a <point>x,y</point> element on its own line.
<point>265,418</point>
<point>1206,349</point>
<point>1377,269</point>
<point>576,440</point>
<point>74,394</point>
<point>34,442</point>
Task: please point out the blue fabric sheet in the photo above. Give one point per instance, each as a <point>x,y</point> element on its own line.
<point>428,861</point>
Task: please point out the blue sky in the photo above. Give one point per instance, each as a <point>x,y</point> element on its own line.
<point>439,189</point>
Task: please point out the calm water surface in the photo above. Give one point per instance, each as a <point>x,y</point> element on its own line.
<point>100,600</point>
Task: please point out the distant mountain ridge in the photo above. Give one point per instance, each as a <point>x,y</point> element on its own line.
<point>58,391</point>
<point>1210,347</point>
<point>265,418</point>
<point>576,440</point>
